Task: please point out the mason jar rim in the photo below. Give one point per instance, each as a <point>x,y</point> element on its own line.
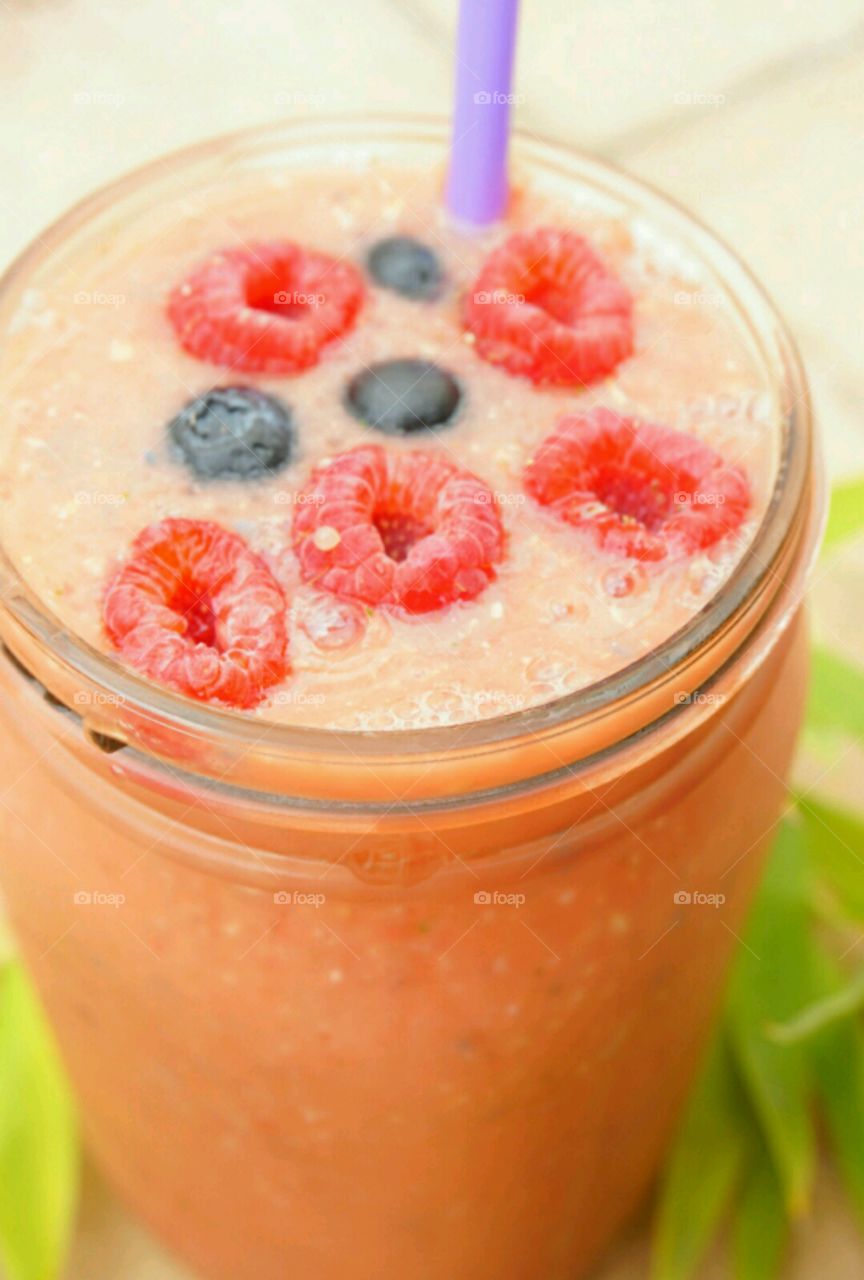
<point>751,577</point>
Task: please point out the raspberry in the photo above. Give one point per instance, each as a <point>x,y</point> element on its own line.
<point>265,308</point>
<point>407,530</point>
<point>545,307</point>
<point>645,491</point>
<point>196,609</point>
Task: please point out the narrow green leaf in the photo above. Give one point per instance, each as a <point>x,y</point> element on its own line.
<point>840,1004</point>
<point>38,1138</point>
<point>837,1053</point>
<point>835,843</point>
<point>702,1168</point>
<point>760,1226</point>
<point>845,515</point>
<point>836,699</point>
<point>771,982</point>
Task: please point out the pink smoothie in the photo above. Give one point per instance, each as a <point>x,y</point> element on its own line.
<point>353,1006</point>
<point>96,373</point>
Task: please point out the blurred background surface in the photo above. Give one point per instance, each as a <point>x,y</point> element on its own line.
<point>750,114</point>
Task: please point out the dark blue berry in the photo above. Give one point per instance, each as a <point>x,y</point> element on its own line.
<point>400,397</point>
<point>406,266</point>
<point>234,433</point>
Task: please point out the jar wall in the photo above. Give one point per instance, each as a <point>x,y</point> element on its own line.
<point>416,1084</point>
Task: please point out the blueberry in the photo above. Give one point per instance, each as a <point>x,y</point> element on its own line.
<point>399,397</point>
<point>406,266</point>
<point>234,432</point>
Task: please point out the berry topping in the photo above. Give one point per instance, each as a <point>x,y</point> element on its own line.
<point>644,491</point>
<point>234,432</point>
<point>265,308</point>
<point>195,608</point>
<point>545,307</point>
<point>400,397</point>
<point>408,530</point>
<point>406,266</point>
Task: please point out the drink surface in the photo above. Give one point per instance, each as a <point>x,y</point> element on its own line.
<point>95,373</point>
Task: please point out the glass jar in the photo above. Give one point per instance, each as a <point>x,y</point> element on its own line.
<point>413,1004</point>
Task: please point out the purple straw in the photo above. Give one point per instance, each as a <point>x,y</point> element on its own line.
<point>477,181</point>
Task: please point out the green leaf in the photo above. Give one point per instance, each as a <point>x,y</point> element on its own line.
<point>837,1053</point>
<point>845,515</point>
<point>840,1004</point>
<point>836,699</point>
<point>835,843</point>
<point>702,1168</point>
<point>760,1226</point>
<point>38,1138</point>
<point>771,981</point>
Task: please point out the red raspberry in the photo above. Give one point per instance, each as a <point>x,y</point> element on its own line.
<point>402,529</point>
<point>194,608</point>
<point>545,307</point>
<point>265,308</point>
<point>645,491</point>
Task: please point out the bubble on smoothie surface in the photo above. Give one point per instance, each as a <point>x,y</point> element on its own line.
<point>331,623</point>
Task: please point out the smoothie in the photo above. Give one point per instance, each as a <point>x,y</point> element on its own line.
<point>404,664</point>
<point>101,377</point>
